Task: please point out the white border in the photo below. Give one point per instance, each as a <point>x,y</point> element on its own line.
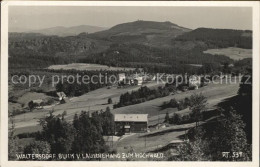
<point>4,82</point>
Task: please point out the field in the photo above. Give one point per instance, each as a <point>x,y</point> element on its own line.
<point>92,101</point>
<point>88,67</point>
<point>232,52</point>
<point>24,98</point>
<point>155,141</point>
<point>97,100</point>
<point>215,93</point>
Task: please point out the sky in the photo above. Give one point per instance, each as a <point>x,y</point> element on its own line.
<point>38,17</point>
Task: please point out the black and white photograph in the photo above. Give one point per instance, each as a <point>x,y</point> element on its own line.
<point>116,82</point>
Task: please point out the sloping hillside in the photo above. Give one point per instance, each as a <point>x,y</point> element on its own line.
<point>219,38</point>
<point>68,31</point>
<point>34,49</point>
<point>155,46</point>
<point>144,32</point>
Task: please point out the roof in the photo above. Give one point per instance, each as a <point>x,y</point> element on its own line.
<point>37,101</point>
<point>61,94</point>
<point>131,117</point>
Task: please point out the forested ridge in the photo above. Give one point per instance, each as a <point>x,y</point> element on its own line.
<point>220,38</point>
<point>166,47</point>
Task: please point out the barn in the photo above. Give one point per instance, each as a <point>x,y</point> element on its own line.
<point>130,123</point>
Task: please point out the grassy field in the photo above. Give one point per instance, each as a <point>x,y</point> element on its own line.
<point>139,143</point>
<point>83,66</point>
<point>97,100</point>
<point>232,52</point>
<point>92,101</point>
<point>154,141</point>
<point>215,93</point>
<point>24,99</point>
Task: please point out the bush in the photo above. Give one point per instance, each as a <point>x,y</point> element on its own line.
<point>181,105</point>
<point>109,101</point>
<point>176,119</point>
<point>38,147</point>
<point>173,103</point>
<point>28,135</point>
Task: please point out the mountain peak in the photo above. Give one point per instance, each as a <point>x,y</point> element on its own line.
<point>151,33</point>
<point>141,24</point>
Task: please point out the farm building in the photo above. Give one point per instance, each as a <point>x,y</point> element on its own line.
<point>62,96</point>
<point>131,123</point>
<point>36,104</point>
<point>194,81</point>
<point>121,77</point>
<point>138,80</point>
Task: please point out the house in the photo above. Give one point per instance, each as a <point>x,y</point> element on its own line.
<point>62,96</point>
<point>231,65</point>
<point>131,123</point>
<point>138,80</point>
<point>38,103</point>
<point>194,81</point>
<point>121,77</point>
<point>116,52</point>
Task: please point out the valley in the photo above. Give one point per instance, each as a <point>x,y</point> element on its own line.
<point>85,113</point>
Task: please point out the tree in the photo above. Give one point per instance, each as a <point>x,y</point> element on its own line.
<point>107,110</point>
<point>31,105</point>
<point>229,131</point>
<point>58,133</point>
<point>88,138</point>
<point>197,105</point>
<point>226,69</point>
<point>59,87</point>
<point>245,87</point>
<point>63,114</point>
<point>38,147</point>
<point>109,101</point>
<point>209,141</point>
<point>173,103</point>
<point>167,118</point>
<point>108,122</point>
<point>176,119</point>
<point>13,145</point>
<point>196,150</point>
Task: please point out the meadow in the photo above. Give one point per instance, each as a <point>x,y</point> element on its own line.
<point>231,52</point>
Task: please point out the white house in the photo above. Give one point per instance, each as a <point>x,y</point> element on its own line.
<point>61,95</point>
<point>138,80</point>
<point>194,81</point>
<point>121,77</point>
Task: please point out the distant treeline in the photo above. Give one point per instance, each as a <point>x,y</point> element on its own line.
<point>221,38</point>
<point>143,94</point>
<point>83,135</point>
<point>42,51</point>
<point>167,60</point>
<point>73,89</point>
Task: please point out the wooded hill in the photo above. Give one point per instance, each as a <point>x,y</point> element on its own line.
<point>156,46</point>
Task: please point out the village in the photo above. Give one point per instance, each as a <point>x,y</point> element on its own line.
<point>133,83</point>
<point>130,122</point>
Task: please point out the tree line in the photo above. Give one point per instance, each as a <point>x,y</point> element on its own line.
<point>141,95</point>
<point>221,38</point>
<point>230,131</point>
<point>83,135</point>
